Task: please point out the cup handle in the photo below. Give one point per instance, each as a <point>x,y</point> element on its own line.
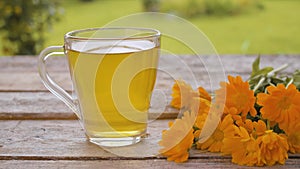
<point>50,84</point>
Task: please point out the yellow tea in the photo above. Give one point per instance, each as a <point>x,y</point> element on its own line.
<point>113,72</point>
<point>114,85</point>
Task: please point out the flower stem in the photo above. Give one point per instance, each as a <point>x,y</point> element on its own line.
<point>290,82</point>
<point>268,125</point>
<point>270,74</point>
<point>259,84</point>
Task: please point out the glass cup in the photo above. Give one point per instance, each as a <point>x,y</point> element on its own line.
<point>113,72</point>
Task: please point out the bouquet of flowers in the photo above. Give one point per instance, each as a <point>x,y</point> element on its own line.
<point>258,119</point>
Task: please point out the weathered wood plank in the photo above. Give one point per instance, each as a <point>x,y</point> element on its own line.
<point>121,164</point>
<point>54,143</point>
<point>65,139</point>
<point>29,64</point>
<point>20,73</point>
<point>40,143</point>
<point>44,105</point>
<point>231,63</point>
<point>30,81</point>
<point>18,105</point>
<point>21,80</point>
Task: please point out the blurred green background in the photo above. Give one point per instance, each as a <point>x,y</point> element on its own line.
<point>233,26</point>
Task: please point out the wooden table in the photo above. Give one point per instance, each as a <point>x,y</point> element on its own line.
<point>38,131</point>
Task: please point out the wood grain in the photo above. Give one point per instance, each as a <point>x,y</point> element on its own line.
<point>37,130</point>
<point>44,105</point>
<point>39,143</point>
<point>231,63</point>
<point>138,164</point>
<point>21,73</point>
<point>24,96</point>
<point>63,139</point>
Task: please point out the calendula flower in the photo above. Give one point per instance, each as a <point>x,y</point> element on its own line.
<point>208,122</point>
<point>204,94</point>
<point>247,124</point>
<point>260,128</point>
<point>199,105</point>
<point>224,124</point>
<point>280,104</point>
<point>242,147</point>
<point>215,142</point>
<point>197,134</point>
<point>178,139</point>
<point>199,123</point>
<point>239,99</point>
<point>200,120</point>
<point>182,93</point>
<point>273,148</point>
<point>184,96</point>
<point>293,137</point>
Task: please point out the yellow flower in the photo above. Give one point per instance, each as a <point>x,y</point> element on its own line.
<point>260,128</point>
<point>182,93</point>
<point>199,105</point>
<point>237,96</point>
<point>204,94</point>
<point>200,120</point>
<point>215,142</point>
<point>247,124</point>
<point>242,147</point>
<point>273,148</point>
<point>280,105</point>
<point>197,133</point>
<point>293,137</point>
<point>177,140</point>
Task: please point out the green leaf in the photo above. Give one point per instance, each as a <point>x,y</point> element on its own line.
<point>255,66</point>
<point>262,72</point>
<point>277,129</point>
<point>276,81</point>
<point>296,77</point>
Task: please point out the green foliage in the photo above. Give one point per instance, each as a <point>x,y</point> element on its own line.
<point>23,24</point>
<point>192,8</point>
<point>275,30</point>
<point>296,79</point>
<point>261,78</point>
<point>151,5</point>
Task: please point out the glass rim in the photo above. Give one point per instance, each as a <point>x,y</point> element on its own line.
<point>72,34</point>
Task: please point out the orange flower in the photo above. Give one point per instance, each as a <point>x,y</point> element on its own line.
<point>242,147</point>
<point>273,148</point>
<point>215,142</point>
<point>182,94</point>
<point>247,124</point>
<point>260,128</point>
<point>254,128</point>
<point>280,105</point>
<point>237,96</point>
<point>177,141</point>
<point>200,120</point>
<point>199,105</point>
<point>199,123</point>
<point>204,94</point>
<point>293,137</point>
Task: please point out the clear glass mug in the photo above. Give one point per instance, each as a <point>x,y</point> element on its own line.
<point>113,72</point>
